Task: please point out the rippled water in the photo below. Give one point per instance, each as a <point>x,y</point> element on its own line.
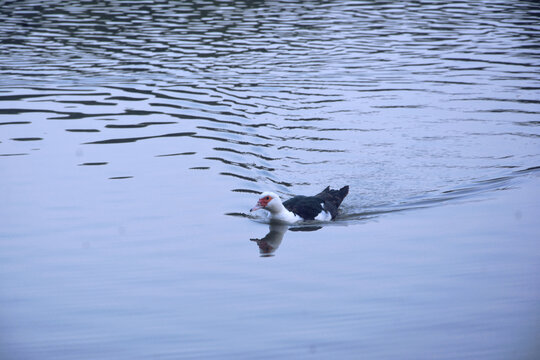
<point>132,130</point>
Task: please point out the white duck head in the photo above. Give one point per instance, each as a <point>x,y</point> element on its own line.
<point>269,201</point>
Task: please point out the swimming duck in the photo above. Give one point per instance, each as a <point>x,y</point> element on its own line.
<point>322,207</point>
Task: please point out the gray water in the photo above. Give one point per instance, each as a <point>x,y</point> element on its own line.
<point>135,137</point>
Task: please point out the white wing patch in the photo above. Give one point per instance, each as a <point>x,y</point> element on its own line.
<point>323,215</point>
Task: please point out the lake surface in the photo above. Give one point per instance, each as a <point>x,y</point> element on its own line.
<point>135,137</point>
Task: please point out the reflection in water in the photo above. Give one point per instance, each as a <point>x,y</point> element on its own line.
<point>270,243</point>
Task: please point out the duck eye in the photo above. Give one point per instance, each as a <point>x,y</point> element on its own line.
<point>267,198</point>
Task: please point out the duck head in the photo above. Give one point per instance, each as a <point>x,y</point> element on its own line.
<point>269,201</point>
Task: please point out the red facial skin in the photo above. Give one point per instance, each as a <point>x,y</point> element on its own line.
<point>261,204</point>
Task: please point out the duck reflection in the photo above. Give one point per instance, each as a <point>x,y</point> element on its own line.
<point>270,243</point>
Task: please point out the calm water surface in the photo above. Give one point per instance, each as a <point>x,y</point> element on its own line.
<point>135,136</point>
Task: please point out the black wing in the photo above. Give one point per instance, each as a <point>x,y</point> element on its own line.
<point>308,207</point>
<point>332,199</point>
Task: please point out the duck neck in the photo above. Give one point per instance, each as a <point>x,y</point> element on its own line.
<point>280,213</point>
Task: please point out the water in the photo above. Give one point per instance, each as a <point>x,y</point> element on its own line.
<point>135,137</point>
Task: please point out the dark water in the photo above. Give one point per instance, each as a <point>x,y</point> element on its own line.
<point>134,137</point>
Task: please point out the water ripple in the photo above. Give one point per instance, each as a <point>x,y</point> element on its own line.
<point>399,100</point>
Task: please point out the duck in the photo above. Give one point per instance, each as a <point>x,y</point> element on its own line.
<point>321,207</point>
